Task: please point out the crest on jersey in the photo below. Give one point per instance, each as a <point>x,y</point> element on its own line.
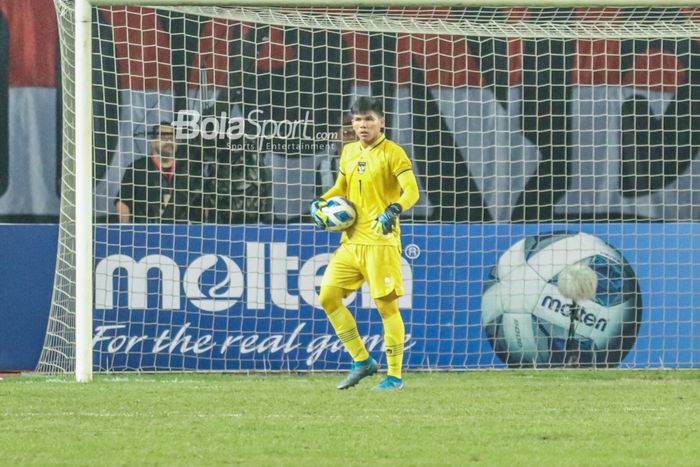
<point>361,166</point>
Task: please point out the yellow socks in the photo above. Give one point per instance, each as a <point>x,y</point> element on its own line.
<point>394,335</point>
<point>346,330</point>
<point>394,332</point>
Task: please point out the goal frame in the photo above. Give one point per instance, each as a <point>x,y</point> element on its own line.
<point>84,291</point>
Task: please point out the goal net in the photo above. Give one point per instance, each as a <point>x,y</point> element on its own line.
<point>540,138</point>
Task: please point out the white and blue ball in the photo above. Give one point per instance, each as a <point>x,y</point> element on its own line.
<point>341,214</point>
<point>526,316</point>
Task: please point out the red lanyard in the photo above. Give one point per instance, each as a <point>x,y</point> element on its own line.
<point>170,170</point>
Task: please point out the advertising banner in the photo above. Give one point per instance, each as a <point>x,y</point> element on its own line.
<point>27,263</point>
<point>243,297</point>
<point>246,297</point>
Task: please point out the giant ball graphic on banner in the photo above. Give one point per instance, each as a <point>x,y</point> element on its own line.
<point>530,323</point>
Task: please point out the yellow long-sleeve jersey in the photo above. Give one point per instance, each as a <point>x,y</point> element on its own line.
<point>372,178</point>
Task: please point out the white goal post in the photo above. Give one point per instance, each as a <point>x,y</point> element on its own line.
<point>83,189</point>
<point>70,342</point>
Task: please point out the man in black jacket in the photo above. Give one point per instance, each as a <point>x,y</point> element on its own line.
<point>147,191</point>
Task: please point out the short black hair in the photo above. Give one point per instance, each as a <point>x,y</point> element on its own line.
<point>155,129</point>
<point>367,104</point>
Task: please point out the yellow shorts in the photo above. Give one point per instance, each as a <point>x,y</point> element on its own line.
<point>379,265</point>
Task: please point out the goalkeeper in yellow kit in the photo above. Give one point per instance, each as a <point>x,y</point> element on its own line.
<point>376,175</point>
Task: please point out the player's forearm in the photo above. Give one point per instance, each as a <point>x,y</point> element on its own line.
<point>338,189</point>
<point>409,187</point>
<point>124,212</point>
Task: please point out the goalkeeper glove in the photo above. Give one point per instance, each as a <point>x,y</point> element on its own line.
<point>317,214</point>
<point>386,222</point>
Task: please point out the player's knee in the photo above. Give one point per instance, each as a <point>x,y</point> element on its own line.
<point>331,298</point>
<point>387,306</point>
<point>387,312</point>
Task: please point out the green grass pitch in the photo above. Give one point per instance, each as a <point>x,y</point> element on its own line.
<point>472,418</point>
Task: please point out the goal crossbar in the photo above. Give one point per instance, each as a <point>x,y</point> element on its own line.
<point>398,3</point>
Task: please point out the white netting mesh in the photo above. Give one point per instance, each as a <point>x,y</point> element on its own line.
<point>580,23</point>
<point>58,354</point>
<point>520,123</point>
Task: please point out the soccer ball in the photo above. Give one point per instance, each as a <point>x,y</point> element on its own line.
<point>527,318</point>
<point>578,282</point>
<point>341,214</point>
